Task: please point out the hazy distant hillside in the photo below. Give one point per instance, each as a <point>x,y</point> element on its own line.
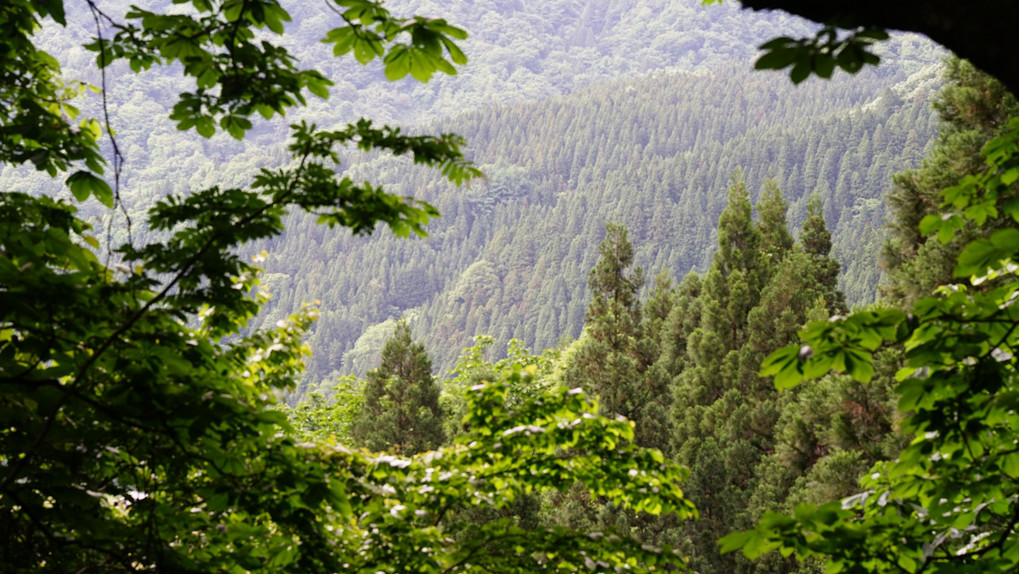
<point>635,111</point>
<point>531,49</point>
<point>510,256</point>
<point>520,50</point>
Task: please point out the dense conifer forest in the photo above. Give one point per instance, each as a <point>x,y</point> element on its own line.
<point>580,147</point>
<point>584,346</point>
<point>509,256</point>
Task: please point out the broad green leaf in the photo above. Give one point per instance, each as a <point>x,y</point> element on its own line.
<point>824,65</point>
<point>735,541</point>
<point>1010,176</point>
<point>858,365</point>
<point>398,63</point>
<point>906,562</point>
<point>83,184</point>
<point>777,59</point>
<point>343,40</point>
<point>801,69</point>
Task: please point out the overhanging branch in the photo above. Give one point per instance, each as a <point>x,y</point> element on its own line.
<point>980,31</point>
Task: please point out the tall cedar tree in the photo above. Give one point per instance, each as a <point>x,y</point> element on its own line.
<point>706,400</point>
<point>400,410</point>
<point>606,360</point>
<point>759,290</point>
<point>613,357</point>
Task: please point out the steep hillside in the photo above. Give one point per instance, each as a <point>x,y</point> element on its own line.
<point>635,111</point>
<point>510,255</point>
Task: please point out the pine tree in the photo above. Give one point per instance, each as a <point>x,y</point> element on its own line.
<point>730,290</point>
<point>710,414</point>
<point>757,294</point>
<point>733,282</point>
<point>776,240</point>
<point>614,308</point>
<point>616,350</point>
<point>616,357</point>
<point>400,409</point>
<point>816,243</point>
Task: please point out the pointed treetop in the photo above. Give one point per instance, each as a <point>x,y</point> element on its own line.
<point>400,410</point>
<point>613,287</point>
<point>814,235</point>
<point>776,240</point>
<point>738,237</point>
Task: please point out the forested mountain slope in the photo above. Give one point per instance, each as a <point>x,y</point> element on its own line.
<point>635,111</point>
<point>510,255</point>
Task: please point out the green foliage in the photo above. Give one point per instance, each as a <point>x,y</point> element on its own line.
<point>532,375</point>
<point>747,447</point>
<point>613,357</point>
<point>124,419</point>
<point>840,42</point>
<point>371,28</point>
<point>40,125</point>
<point>830,47</point>
<point>140,428</point>
<point>399,411</point>
<point>328,412</point>
<point>947,503</point>
<point>237,74</point>
<point>921,251</point>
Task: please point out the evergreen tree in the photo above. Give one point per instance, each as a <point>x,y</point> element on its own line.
<point>757,294</point>
<point>730,290</point>
<point>733,282</point>
<point>776,240</point>
<point>614,354</point>
<point>973,108</point>
<point>616,357</point>
<point>684,317</point>
<point>614,308</point>
<point>711,415</point>
<point>400,409</point>
<point>946,501</point>
<point>816,244</point>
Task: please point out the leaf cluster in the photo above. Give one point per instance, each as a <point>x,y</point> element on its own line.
<point>139,421</point>
<point>819,55</point>
<point>948,503</point>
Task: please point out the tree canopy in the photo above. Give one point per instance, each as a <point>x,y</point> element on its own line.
<point>400,404</point>
<point>140,421</point>
<point>948,501</point>
<point>142,428</point>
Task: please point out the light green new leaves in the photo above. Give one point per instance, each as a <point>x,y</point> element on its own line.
<point>979,197</point>
<point>36,119</point>
<point>558,439</point>
<point>982,255</point>
<point>419,46</point>
<point>398,509</point>
<point>842,344</point>
<point>218,47</point>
